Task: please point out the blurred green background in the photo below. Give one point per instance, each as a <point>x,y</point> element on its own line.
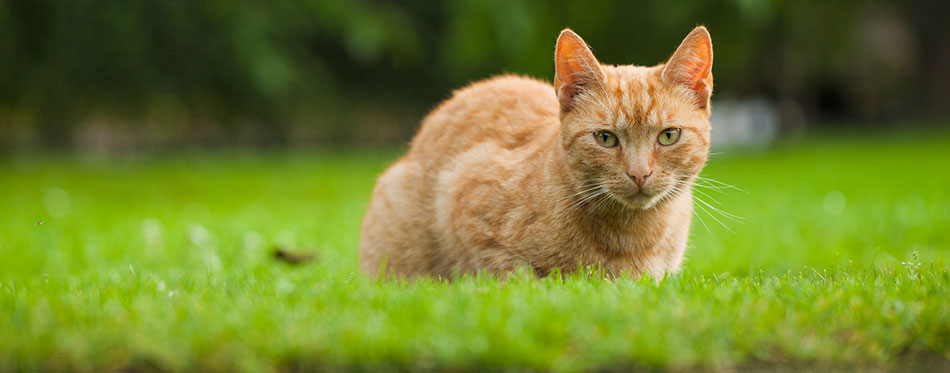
<point>118,75</point>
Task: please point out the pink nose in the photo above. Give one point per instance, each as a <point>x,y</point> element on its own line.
<point>640,177</point>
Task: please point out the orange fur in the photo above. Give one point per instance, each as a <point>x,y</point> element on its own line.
<point>508,173</point>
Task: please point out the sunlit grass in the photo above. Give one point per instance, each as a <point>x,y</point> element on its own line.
<point>164,262</point>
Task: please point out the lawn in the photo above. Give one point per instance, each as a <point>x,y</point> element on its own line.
<point>838,258</point>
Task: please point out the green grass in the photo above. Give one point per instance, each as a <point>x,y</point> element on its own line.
<point>164,263</point>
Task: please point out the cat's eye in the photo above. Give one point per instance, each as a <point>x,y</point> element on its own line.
<point>606,138</point>
<point>669,136</point>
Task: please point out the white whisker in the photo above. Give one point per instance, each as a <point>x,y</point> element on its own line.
<point>707,196</point>
<point>723,213</point>
<point>581,197</point>
<point>704,222</point>
<point>719,183</point>
<point>710,215</point>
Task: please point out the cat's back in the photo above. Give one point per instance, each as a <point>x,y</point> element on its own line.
<point>509,111</point>
<point>482,131</point>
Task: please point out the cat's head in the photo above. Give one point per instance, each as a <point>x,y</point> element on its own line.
<point>641,133</point>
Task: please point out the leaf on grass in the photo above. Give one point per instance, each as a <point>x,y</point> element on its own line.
<point>292,256</point>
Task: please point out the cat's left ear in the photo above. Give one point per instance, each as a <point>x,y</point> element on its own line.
<point>576,68</point>
<point>691,65</point>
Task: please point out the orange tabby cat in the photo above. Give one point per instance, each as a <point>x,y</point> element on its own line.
<point>596,170</point>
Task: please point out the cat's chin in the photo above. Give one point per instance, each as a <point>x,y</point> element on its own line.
<point>638,201</point>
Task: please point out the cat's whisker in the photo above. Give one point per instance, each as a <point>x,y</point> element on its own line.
<point>703,206</point>
<point>676,187</point>
<point>708,185</point>
<point>588,195</point>
<point>579,193</point>
<point>615,203</point>
<point>710,214</point>
<point>573,204</point>
<point>716,201</point>
<point>710,188</point>
<point>667,196</point>
<point>672,191</point>
<point>597,205</point>
<point>593,195</point>
<point>582,203</point>
<point>580,185</point>
<point>583,189</point>
<point>721,212</point>
<point>703,221</point>
<point>719,183</point>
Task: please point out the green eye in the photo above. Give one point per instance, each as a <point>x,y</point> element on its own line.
<point>669,136</point>
<point>606,138</point>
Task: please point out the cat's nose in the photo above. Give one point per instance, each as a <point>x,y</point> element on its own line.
<point>640,176</point>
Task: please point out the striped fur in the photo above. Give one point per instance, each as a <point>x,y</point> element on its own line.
<point>507,172</point>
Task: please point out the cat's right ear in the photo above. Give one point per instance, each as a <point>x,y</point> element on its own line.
<point>576,68</point>
<point>691,65</point>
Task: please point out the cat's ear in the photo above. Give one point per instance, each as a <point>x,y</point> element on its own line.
<point>576,68</point>
<point>691,65</point>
